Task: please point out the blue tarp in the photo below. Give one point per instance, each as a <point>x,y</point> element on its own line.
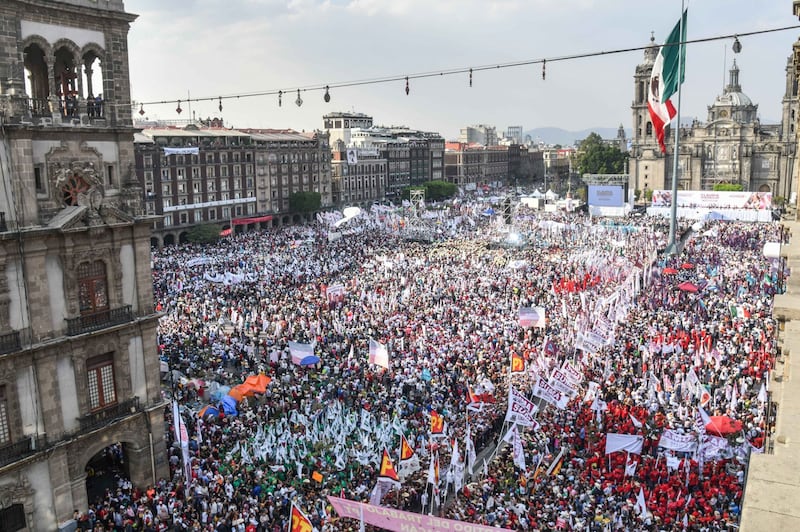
<point>229,406</point>
<point>220,392</point>
<point>488,212</point>
<point>310,360</point>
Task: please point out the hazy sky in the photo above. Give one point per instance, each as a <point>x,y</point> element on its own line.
<point>208,48</point>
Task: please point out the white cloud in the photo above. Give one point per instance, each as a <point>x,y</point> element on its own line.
<point>212,48</point>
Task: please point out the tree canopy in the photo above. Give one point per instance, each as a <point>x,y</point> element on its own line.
<point>434,190</point>
<point>728,187</point>
<point>204,234</point>
<point>305,201</point>
<point>596,157</point>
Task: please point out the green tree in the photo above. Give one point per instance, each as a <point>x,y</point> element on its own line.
<point>305,201</point>
<point>204,234</point>
<point>439,190</point>
<point>596,157</point>
<point>434,190</point>
<point>728,187</point>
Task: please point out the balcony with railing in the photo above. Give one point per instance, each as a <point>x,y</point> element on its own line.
<point>101,418</point>
<point>99,320</point>
<point>9,342</point>
<point>21,449</point>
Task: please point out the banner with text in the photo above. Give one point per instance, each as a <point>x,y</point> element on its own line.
<point>708,199</point>
<point>397,521</point>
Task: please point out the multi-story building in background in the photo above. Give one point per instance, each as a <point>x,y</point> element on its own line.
<point>473,165</point>
<point>412,157</point>
<point>479,134</point>
<point>514,134</point>
<point>358,175</point>
<point>239,179</point>
<point>732,146</point>
<point>79,370</point>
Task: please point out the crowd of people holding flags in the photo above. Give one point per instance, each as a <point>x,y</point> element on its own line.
<point>581,382</point>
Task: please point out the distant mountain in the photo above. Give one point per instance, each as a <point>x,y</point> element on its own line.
<point>556,135</point>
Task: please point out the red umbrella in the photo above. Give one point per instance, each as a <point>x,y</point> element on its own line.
<point>687,287</point>
<point>687,266</point>
<point>670,271</point>
<point>723,426</point>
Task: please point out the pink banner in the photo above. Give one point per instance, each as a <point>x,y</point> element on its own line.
<point>397,521</point>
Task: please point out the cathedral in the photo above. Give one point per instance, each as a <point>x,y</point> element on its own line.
<point>732,146</point>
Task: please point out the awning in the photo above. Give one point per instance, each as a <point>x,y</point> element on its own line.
<point>248,221</point>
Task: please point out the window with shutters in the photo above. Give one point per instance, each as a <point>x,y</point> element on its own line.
<point>100,382</point>
<point>92,287</point>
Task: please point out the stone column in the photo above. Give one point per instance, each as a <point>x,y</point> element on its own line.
<point>61,485</point>
<point>87,67</point>
<point>796,60</point>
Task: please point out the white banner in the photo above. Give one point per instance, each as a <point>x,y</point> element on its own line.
<point>573,375</point>
<point>561,382</point>
<point>520,409</point>
<point>624,442</point>
<point>544,390</point>
<point>182,151</point>
<point>683,443</point>
<point>708,199</point>
<point>712,447</point>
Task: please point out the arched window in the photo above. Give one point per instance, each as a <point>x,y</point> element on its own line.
<point>649,129</point>
<point>37,82</point>
<point>66,79</point>
<point>92,287</point>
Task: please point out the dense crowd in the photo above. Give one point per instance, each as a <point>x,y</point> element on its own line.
<point>448,313</point>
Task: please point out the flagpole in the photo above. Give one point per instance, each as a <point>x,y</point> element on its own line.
<point>672,246</point>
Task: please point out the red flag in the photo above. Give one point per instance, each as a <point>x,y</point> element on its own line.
<point>300,523</point>
<point>517,363</point>
<point>437,423</point>
<point>388,471</point>
<point>406,452</point>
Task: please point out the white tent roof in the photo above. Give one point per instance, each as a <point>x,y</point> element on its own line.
<point>550,194</point>
<point>537,193</point>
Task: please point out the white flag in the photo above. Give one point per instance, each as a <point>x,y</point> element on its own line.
<point>630,466</point>
<point>762,394</point>
<point>641,505</point>
<point>636,422</point>
<point>378,354</point>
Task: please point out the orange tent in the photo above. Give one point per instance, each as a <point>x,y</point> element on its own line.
<point>237,393</point>
<point>257,383</point>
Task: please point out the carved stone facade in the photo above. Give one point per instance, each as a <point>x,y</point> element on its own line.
<point>732,146</point>
<point>75,279</point>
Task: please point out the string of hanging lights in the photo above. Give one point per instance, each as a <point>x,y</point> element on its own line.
<point>737,47</point>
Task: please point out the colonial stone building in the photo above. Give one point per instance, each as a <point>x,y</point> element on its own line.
<point>78,364</point>
<point>239,179</point>
<point>731,146</point>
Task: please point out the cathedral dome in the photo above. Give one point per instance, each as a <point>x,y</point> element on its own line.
<point>733,104</point>
<point>735,99</point>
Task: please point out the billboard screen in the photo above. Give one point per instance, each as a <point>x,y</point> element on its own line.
<point>606,196</point>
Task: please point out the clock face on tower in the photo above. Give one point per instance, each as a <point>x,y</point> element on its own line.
<point>723,114</point>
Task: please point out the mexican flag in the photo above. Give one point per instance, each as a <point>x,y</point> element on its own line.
<point>665,79</point>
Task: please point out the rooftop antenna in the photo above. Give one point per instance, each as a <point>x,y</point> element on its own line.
<point>724,64</point>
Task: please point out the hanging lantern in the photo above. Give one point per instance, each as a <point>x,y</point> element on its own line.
<point>178,109</point>
<point>141,109</point>
<point>299,100</point>
<point>327,96</point>
<point>407,87</point>
<point>280,97</point>
<point>220,104</point>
